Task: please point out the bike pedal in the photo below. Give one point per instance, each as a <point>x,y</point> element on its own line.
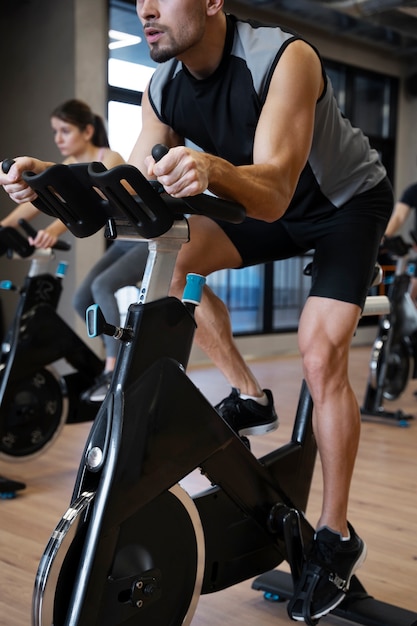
<point>9,488</point>
<point>246,441</point>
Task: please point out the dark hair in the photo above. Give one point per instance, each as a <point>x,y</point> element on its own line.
<point>79,114</point>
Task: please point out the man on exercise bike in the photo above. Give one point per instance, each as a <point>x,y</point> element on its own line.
<point>256,101</point>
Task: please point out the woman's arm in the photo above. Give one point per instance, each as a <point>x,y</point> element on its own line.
<point>25,211</point>
<point>112,158</point>
<point>399,215</point>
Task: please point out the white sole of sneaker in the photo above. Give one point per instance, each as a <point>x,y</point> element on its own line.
<point>259,430</point>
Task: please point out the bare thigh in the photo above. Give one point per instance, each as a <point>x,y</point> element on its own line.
<point>208,250</point>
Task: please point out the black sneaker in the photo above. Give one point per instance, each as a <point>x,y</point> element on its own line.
<point>248,417</point>
<point>98,391</point>
<point>326,575</point>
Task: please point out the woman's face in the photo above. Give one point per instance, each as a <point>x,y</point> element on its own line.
<point>69,139</point>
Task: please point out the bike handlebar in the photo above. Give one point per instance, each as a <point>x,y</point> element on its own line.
<point>32,232</point>
<point>396,245</point>
<point>13,241</point>
<point>59,244</point>
<point>5,166</point>
<point>205,204</point>
<point>413,235</point>
<point>69,192</point>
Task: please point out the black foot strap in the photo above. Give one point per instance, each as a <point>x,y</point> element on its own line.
<point>303,593</point>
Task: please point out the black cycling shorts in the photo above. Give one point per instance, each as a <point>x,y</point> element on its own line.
<point>345,243</point>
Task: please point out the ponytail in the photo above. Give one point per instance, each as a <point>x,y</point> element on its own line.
<point>100,137</point>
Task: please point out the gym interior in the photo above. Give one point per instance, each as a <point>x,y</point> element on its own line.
<point>53,51</point>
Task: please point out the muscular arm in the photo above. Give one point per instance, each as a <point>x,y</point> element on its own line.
<point>282,145</point>
<point>153,132</point>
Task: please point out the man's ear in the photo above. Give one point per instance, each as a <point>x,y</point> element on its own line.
<point>214,6</point>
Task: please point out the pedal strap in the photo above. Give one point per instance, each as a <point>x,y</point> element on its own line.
<point>303,593</point>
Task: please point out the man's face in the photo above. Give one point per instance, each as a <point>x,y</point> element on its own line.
<point>171,27</point>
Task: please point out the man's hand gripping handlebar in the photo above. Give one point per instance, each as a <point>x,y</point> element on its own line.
<point>69,192</point>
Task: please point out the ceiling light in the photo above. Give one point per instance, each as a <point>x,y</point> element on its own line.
<point>122,40</point>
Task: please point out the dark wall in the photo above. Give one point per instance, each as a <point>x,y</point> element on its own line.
<point>50,50</point>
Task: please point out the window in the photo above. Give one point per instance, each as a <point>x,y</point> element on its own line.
<point>129,71</point>
<point>369,100</point>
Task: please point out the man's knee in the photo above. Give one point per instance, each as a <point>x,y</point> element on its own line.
<point>325,369</point>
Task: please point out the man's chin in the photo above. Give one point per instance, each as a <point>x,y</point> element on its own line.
<point>160,55</point>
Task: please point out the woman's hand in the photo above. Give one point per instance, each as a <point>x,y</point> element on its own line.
<point>43,239</point>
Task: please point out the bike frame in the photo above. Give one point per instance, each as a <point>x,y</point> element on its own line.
<point>130,550</point>
<point>394,353</point>
<point>36,401</point>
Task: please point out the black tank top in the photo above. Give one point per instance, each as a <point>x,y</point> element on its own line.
<point>219,115</point>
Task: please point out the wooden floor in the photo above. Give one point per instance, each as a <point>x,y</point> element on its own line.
<point>383,503</point>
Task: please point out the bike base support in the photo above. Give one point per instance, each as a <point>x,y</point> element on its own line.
<point>357,608</point>
<point>399,416</point>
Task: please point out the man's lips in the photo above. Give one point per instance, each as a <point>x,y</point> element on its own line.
<point>153,35</point>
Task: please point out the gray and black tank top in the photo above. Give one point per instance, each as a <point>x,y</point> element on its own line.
<point>219,115</point>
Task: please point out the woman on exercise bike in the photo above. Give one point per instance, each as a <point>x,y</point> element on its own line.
<point>81,137</point>
<point>400,214</point>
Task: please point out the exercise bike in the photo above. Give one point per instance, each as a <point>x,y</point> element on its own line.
<point>134,548</point>
<point>35,399</point>
<point>393,358</point>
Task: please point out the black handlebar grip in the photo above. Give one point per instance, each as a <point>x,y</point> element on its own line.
<point>32,232</point>
<point>59,245</point>
<point>6,165</point>
<point>204,204</point>
<point>28,228</point>
<point>413,235</point>
<point>159,151</point>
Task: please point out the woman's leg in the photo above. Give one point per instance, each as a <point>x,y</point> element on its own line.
<point>126,268</point>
